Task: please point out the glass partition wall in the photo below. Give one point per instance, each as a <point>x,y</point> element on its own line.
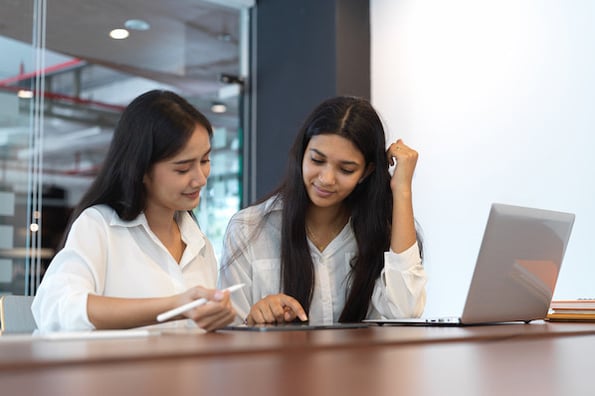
<point>63,84</point>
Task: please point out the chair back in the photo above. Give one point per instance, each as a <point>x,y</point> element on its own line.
<point>15,315</point>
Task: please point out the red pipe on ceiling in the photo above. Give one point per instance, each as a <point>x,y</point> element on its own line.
<point>48,70</point>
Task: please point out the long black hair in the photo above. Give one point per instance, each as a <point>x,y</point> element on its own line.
<point>154,126</point>
<point>370,205</point>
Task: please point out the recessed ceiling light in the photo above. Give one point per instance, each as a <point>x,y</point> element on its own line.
<point>25,94</point>
<point>218,107</point>
<point>137,24</point>
<point>119,34</point>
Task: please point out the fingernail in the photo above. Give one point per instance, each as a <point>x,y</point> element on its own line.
<point>218,295</point>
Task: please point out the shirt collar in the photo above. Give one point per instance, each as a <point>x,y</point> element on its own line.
<point>192,235</point>
<point>117,221</point>
<point>273,204</point>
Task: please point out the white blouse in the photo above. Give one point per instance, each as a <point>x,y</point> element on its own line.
<point>399,291</point>
<point>105,255</point>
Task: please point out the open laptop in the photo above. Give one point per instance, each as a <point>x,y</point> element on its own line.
<point>516,269</point>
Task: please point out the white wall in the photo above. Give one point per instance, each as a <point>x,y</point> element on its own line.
<point>498,97</point>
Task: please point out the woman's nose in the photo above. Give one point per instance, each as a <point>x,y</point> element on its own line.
<point>199,178</point>
<point>327,176</point>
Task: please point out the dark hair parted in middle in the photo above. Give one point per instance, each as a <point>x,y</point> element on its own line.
<point>370,205</point>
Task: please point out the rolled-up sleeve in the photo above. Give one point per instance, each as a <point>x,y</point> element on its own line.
<point>400,291</point>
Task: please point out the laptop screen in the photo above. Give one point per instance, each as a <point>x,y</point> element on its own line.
<point>518,264</point>
<point>516,269</point>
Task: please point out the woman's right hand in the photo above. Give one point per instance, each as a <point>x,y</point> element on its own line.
<point>217,313</point>
<point>276,308</point>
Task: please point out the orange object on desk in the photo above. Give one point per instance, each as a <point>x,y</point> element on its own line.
<point>582,309</point>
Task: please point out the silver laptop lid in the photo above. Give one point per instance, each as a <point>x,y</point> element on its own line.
<point>518,264</point>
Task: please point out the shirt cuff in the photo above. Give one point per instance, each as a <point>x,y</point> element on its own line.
<point>404,260</point>
<point>80,317</point>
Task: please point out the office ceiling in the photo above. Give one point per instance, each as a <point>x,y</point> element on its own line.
<point>189,46</point>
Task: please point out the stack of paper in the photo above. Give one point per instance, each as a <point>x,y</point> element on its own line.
<point>582,309</point>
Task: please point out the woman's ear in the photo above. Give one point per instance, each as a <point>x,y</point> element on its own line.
<point>369,169</point>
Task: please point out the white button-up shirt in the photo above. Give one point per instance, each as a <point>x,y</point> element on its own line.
<point>399,291</point>
<point>105,255</point>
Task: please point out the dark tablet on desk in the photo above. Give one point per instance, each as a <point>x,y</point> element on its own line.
<point>295,326</point>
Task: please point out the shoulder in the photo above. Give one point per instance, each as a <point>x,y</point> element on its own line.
<point>255,213</point>
<point>257,217</point>
<point>96,214</point>
<point>91,226</point>
<point>104,216</point>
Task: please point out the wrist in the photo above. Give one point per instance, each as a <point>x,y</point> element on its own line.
<point>400,193</point>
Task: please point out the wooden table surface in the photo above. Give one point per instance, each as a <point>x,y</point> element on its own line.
<point>539,358</point>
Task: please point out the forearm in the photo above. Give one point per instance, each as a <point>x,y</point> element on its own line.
<point>122,313</point>
<point>403,233</point>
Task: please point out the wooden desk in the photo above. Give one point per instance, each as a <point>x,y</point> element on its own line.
<point>541,358</point>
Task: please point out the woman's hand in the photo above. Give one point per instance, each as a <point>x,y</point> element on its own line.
<point>276,308</point>
<point>405,158</point>
<point>216,313</point>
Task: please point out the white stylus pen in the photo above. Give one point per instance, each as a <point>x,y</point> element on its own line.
<point>192,304</point>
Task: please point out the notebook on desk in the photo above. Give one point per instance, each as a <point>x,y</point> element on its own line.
<point>516,269</point>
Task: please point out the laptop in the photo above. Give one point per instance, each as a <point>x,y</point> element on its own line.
<point>516,269</point>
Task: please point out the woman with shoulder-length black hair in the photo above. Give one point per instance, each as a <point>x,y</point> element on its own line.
<point>132,249</point>
<point>337,241</point>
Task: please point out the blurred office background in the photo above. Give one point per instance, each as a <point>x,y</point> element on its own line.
<point>63,84</point>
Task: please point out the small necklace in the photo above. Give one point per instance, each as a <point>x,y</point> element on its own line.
<point>320,243</point>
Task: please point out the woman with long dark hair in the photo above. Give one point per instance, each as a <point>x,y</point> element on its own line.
<point>132,248</point>
<point>337,241</point>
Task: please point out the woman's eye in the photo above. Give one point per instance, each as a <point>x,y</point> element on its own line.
<point>347,171</point>
<point>317,161</point>
<point>182,171</point>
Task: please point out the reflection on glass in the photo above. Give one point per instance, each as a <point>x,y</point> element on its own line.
<point>89,79</point>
